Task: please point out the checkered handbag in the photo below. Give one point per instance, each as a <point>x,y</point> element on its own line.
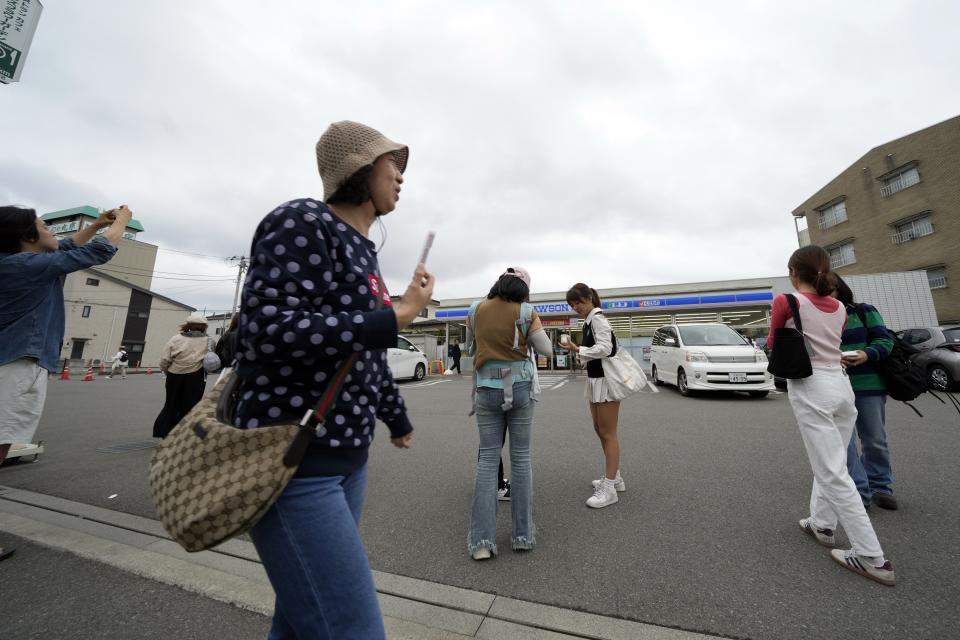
<point>212,481</point>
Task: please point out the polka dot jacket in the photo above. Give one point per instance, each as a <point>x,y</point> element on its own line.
<point>309,302</point>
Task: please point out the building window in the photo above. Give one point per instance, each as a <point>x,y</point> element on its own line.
<point>86,311</point>
<point>937,277</point>
<point>900,181</point>
<point>912,229</point>
<point>842,254</point>
<point>93,282</point>
<point>832,215</point>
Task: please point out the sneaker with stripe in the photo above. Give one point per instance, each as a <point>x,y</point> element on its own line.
<point>860,564</point>
<point>822,536</point>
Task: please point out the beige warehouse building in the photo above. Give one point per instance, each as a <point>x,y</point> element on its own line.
<point>112,305</point>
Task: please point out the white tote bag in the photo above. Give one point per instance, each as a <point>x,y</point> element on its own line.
<point>624,377</point>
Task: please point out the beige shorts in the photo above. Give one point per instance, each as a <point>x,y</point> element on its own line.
<point>23,390</point>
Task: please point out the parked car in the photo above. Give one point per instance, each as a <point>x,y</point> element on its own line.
<point>938,353</point>
<point>708,357</point>
<point>406,360</point>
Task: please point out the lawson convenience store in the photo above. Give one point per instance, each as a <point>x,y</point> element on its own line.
<point>635,313</point>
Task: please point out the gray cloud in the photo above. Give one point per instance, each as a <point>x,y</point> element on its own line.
<point>612,142</point>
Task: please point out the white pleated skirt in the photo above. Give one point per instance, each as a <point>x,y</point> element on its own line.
<point>596,390</point>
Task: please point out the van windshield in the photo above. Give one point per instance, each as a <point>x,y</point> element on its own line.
<point>711,336</point>
<point>952,335</point>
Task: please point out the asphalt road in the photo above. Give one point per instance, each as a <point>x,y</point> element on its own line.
<point>705,538</point>
<point>55,599</point>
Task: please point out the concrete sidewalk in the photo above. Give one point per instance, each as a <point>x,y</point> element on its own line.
<point>413,609</point>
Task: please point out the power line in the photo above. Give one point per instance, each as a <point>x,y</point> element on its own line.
<point>172,273</point>
<point>188,253</point>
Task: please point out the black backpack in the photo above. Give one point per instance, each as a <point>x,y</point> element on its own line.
<point>905,381</point>
<point>123,357</point>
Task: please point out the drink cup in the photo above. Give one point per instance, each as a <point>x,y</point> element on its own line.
<point>564,338</point>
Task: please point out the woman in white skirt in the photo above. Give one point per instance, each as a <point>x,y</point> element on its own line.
<point>605,412</point>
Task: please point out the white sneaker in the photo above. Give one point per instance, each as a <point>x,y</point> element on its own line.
<point>617,483</point>
<point>481,554</point>
<point>849,559</point>
<point>604,494</point>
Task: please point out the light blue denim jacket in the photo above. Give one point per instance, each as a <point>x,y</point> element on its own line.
<point>31,298</point>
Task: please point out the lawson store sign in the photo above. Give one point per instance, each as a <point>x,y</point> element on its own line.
<point>706,300</point>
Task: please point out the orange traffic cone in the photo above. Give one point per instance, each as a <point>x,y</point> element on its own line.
<point>89,376</point>
<point>65,374</point>
<point>149,371</point>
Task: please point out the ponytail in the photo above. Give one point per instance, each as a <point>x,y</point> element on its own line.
<point>595,297</point>
<point>825,283</point>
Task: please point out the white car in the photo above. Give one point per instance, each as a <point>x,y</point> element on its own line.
<point>406,360</point>
<point>708,357</point>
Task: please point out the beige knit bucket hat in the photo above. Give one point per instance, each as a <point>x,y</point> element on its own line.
<point>346,146</point>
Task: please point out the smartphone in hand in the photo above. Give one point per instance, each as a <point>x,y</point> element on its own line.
<point>426,247</point>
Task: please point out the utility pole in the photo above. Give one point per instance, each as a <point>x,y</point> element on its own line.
<point>242,265</point>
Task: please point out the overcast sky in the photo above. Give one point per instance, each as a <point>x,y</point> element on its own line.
<point>616,143</point>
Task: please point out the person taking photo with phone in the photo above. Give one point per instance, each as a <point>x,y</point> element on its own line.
<point>33,263</point>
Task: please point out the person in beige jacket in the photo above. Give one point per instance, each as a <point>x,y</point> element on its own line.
<point>182,362</point>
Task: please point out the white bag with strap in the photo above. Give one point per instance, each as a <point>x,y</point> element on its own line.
<point>623,375</point>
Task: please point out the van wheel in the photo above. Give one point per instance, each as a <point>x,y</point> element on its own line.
<point>939,378</point>
<point>682,383</point>
<point>653,374</point>
<point>420,372</point>
<point>758,394</point>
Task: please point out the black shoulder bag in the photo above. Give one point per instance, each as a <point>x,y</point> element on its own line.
<point>789,358</point>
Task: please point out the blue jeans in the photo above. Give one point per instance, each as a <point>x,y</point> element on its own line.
<point>310,546</point>
<point>492,423</point>
<point>870,469</point>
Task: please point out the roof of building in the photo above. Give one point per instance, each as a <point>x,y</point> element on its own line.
<point>86,210</point>
<point>642,291</point>
<point>153,294</point>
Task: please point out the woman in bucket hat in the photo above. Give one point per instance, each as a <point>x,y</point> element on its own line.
<point>182,363</point>
<point>310,300</point>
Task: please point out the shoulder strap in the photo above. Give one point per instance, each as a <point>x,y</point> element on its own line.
<point>795,309</point>
<point>526,317</point>
<point>320,410</point>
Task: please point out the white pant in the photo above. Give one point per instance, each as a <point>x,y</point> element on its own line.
<point>118,365</point>
<point>824,407</point>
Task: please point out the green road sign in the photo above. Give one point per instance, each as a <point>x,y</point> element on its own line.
<point>10,59</point>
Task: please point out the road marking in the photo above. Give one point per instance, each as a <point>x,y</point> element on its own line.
<point>652,386</point>
<point>422,384</point>
<point>557,386</point>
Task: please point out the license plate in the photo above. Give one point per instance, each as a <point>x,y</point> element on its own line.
<point>738,377</point>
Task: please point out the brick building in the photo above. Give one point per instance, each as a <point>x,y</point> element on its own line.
<point>896,209</point>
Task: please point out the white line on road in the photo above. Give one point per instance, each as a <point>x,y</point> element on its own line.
<point>557,386</point>
<point>652,386</point>
<point>422,384</point>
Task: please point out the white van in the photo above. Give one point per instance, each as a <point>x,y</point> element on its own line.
<point>708,357</point>
<point>406,360</point>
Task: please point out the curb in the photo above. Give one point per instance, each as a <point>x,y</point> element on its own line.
<point>413,609</point>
